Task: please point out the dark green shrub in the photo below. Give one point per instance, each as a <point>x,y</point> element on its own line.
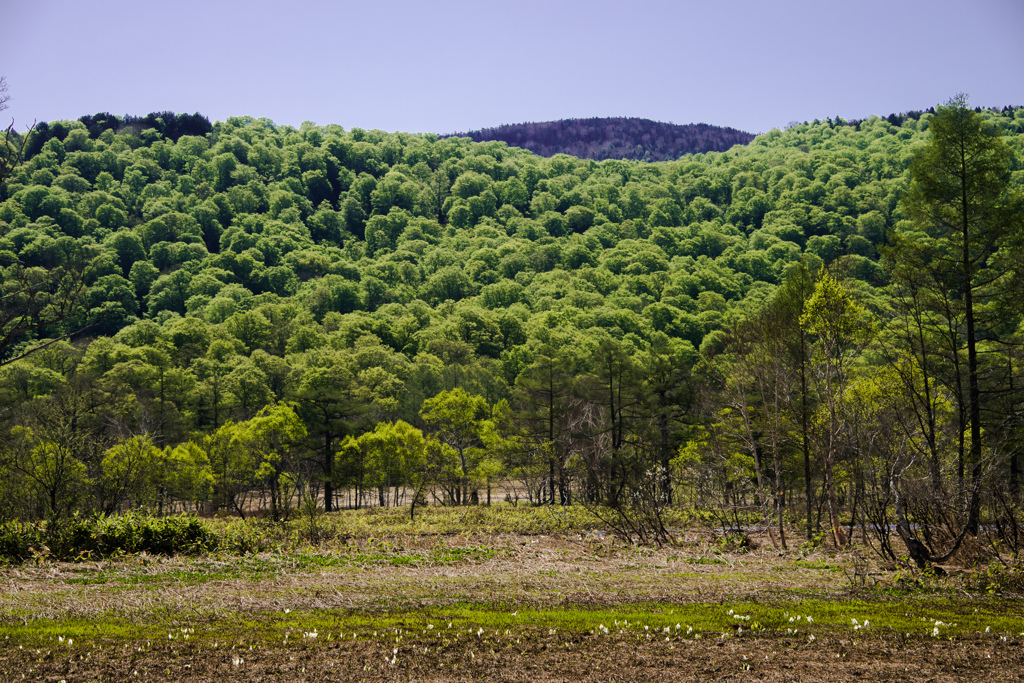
<point>169,535</point>
<point>99,536</point>
<point>19,541</point>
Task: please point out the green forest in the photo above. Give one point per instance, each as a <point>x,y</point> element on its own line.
<point>818,332</point>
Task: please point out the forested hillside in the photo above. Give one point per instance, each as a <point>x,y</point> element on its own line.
<point>614,138</point>
<point>264,313</point>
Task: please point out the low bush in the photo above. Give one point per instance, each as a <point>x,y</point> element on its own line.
<point>98,536</point>
<point>19,541</point>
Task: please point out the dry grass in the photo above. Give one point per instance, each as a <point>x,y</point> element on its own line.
<point>378,574</point>
<point>534,571</point>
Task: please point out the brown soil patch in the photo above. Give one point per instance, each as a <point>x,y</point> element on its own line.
<point>545,658</point>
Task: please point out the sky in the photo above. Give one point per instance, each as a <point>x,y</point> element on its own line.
<point>449,66</point>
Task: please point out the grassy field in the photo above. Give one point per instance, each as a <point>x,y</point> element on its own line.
<point>502,594</point>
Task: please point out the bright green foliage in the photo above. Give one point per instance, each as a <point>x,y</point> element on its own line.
<point>132,474</point>
<point>269,439</point>
<point>233,467</point>
<point>393,455</point>
<point>244,455</point>
<point>60,478</point>
<point>834,319</point>
<point>189,477</point>
<point>837,326</point>
<point>459,421</point>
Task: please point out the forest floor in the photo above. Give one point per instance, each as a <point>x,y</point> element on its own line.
<point>507,606</point>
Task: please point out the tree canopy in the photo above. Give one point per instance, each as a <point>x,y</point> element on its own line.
<point>567,327</point>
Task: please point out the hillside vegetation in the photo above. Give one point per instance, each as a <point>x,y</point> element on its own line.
<point>266,315</point>
<point>614,138</point>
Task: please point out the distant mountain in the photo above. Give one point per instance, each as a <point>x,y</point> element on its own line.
<point>614,138</point>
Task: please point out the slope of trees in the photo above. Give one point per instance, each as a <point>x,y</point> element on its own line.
<point>271,314</point>
<point>614,138</point>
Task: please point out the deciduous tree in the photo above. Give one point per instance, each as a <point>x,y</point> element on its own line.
<point>839,327</point>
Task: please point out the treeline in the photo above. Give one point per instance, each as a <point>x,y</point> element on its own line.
<point>265,315</point>
<point>614,138</point>
<point>916,114</point>
<point>168,124</point>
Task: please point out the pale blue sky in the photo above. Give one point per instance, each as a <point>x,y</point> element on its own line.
<point>454,65</point>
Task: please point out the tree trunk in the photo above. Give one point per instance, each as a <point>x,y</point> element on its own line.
<point>833,508</point>
<point>328,473</point>
<point>805,438</point>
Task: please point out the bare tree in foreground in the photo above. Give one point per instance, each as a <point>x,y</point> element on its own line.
<point>13,144</point>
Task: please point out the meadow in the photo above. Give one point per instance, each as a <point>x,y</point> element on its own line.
<point>501,593</point>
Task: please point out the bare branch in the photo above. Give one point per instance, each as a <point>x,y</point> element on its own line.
<point>13,148</point>
<point>36,300</point>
